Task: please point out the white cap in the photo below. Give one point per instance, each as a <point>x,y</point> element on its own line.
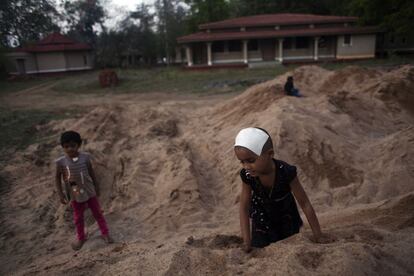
<point>252,139</point>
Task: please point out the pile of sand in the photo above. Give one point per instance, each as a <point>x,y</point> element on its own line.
<point>170,182</point>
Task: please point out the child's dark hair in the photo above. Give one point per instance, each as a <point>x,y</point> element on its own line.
<point>269,143</point>
<point>70,136</point>
<point>290,78</point>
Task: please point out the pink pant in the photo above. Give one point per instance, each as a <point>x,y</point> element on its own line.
<point>79,208</point>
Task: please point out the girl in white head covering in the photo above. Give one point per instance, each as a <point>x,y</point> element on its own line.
<point>268,195</point>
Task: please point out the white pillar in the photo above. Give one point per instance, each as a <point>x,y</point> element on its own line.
<point>315,48</point>
<point>189,56</point>
<point>209,55</point>
<point>281,50</point>
<point>245,57</point>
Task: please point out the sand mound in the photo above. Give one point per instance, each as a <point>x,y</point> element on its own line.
<point>170,182</point>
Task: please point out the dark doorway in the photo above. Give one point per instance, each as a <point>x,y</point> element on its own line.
<point>200,53</point>
<point>267,48</point>
<point>21,66</point>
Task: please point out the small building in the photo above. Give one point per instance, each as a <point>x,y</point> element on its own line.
<point>54,53</point>
<point>278,38</point>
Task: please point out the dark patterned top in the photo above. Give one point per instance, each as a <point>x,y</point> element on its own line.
<point>270,209</point>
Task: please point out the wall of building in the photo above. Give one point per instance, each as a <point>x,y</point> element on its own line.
<point>51,62</point>
<point>78,60</point>
<point>254,56</point>
<point>298,54</point>
<point>28,59</point>
<point>227,57</point>
<point>361,46</point>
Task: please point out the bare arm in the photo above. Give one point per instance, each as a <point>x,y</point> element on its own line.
<point>244,216</point>
<point>92,174</point>
<point>307,208</point>
<point>58,177</point>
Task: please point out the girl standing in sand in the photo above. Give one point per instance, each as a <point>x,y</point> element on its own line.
<point>76,170</point>
<point>268,195</point>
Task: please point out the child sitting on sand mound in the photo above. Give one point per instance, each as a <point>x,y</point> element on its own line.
<point>290,89</point>
<point>79,177</point>
<point>268,194</point>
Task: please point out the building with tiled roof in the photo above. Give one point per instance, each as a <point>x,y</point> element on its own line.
<point>278,38</point>
<point>54,53</point>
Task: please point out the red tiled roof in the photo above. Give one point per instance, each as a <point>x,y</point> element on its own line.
<point>56,48</point>
<point>55,42</point>
<point>277,19</point>
<point>204,36</point>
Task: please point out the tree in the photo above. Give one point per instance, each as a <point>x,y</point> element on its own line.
<point>83,18</point>
<point>203,11</point>
<point>142,34</point>
<point>254,7</point>
<point>23,21</point>
<point>4,63</point>
<point>135,35</point>
<point>109,48</point>
<point>171,24</point>
<point>396,16</point>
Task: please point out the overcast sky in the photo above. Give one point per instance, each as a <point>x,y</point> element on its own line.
<point>118,9</point>
<point>131,4</point>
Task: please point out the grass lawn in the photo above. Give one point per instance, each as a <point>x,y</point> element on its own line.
<point>19,128</point>
<point>177,80</point>
<point>173,80</point>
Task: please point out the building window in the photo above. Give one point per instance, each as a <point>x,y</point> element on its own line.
<point>302,42</point>
<point>287,43</point>
<point>85,60</point>
<point>347,40</point>
<point>217,47</point>
<point>235,46</point>
<point>253,45</point>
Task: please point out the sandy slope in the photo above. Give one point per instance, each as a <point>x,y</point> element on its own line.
<point>170,182</point>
